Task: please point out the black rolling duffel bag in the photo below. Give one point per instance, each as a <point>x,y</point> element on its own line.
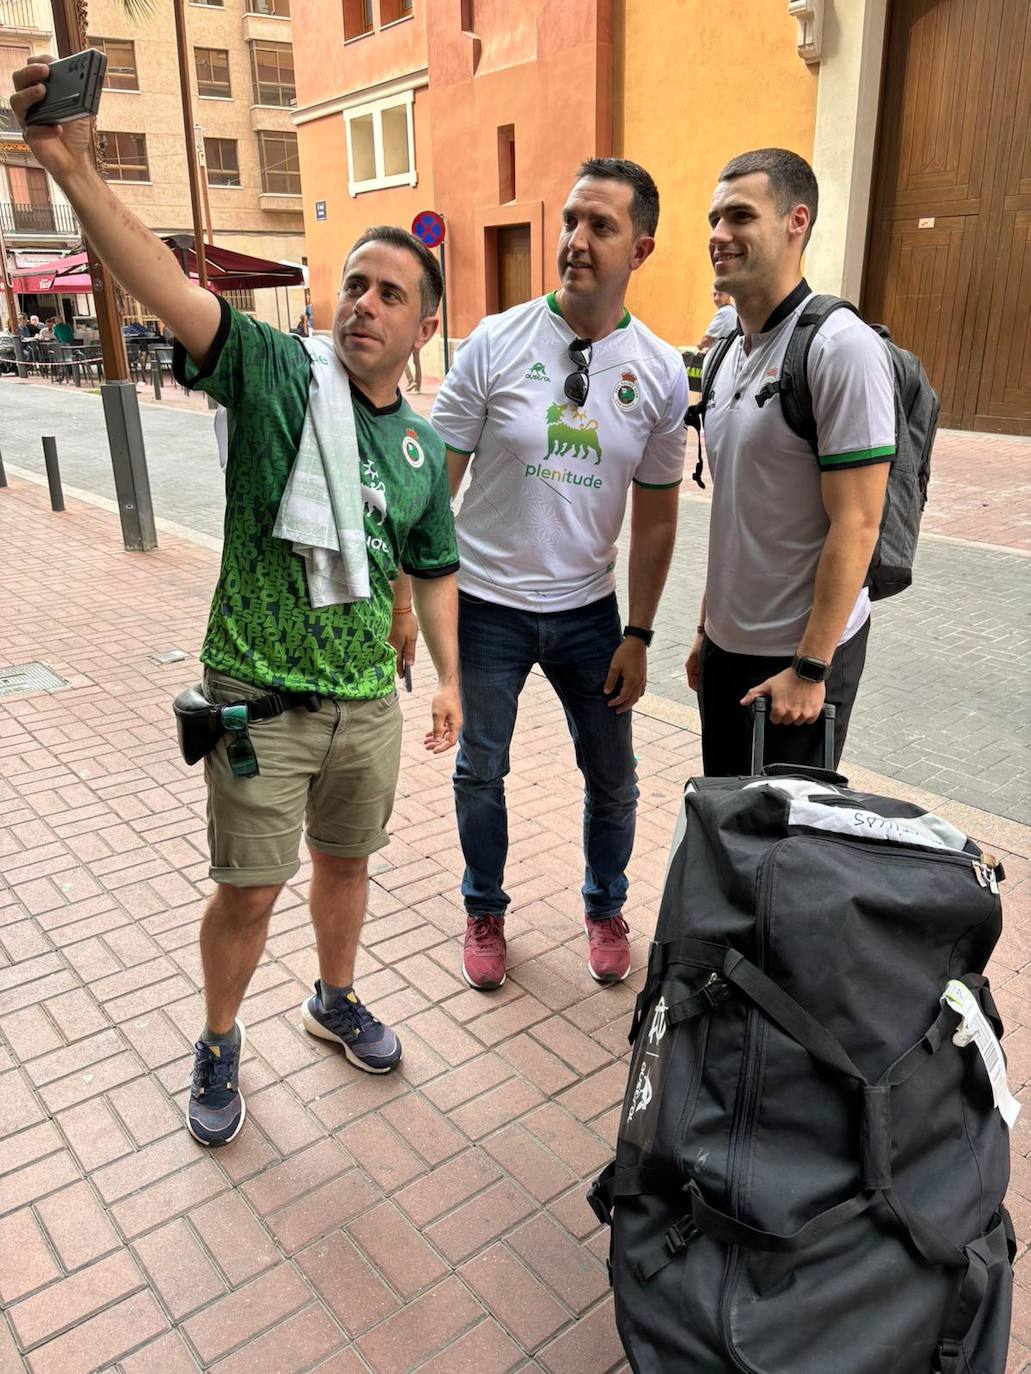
<point>814,1146</point>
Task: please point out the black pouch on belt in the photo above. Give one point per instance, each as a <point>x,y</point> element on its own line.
<point>198,722</point>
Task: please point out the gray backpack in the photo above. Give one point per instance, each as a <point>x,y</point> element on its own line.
<point>916,421</point>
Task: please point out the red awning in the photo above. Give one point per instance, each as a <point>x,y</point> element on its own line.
<point>65,275</point>
<point>227,270</point>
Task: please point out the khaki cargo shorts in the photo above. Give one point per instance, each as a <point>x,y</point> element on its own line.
<point>331,772</point>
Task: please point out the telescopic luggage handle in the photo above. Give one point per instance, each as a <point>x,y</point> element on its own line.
<point>760,709</point>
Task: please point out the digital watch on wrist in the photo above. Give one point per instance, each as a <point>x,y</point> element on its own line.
<point>810,669</point>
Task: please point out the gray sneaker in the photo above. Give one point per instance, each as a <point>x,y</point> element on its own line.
<point>368,1043</point>
<point>216,1109</point>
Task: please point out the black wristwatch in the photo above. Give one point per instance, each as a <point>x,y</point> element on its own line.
<point>811,669</point>
<point>635,632</point>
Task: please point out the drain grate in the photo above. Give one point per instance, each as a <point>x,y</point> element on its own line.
<point>29,677</point>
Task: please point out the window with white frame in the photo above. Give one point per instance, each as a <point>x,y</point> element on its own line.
<point>381,144</point>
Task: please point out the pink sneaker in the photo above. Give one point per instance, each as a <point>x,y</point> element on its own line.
<point>483,960</point>
<point>608,949</point>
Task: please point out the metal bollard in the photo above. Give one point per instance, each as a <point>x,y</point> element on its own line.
<point>3,475</point>
<point>155,373</point>
<point>53,472</point>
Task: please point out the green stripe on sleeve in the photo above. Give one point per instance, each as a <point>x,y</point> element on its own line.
<point>657,486</point>
<point>857,457</point>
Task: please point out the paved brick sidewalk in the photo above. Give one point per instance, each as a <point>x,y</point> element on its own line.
<point>433,1220</point>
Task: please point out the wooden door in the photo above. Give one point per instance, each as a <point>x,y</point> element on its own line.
<point>513,265</point>
<point>1000,397</point>
<point>947,269</point>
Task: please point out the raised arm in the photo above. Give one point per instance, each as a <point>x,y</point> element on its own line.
<point>135,256</point>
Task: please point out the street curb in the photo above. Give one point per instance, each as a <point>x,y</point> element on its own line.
<point>205,541</point>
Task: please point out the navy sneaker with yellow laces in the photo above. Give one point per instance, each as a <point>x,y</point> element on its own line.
<point>367,1043</point>
<point>216,1110</point>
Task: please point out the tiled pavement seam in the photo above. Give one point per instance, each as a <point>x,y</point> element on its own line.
<point>432,1220</point>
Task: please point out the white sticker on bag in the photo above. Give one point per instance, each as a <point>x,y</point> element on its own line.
<point>974,1027</point>
<point>928,831</point>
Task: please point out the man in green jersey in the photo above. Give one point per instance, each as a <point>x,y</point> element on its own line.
<point>331,768</point>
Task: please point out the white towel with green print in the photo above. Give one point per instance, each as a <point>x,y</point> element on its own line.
<point>321,512</point>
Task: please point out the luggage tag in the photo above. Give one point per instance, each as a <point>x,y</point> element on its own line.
<point>974,1026</point>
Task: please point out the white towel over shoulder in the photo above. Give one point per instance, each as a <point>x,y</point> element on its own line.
<point>321,511</point>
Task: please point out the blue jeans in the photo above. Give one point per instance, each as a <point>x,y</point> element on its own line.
<point>498,647</point>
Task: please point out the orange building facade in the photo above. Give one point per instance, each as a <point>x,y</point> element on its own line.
<point>421,111</point>
<point>483,109</point>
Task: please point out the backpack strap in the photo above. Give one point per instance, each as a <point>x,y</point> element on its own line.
<point>792,386</point>
<point>695,416</point>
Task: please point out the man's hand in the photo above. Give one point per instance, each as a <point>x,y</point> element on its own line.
<point>404,632</point>
<point>60,148</point>
<point>694,663</point>
<point>447,719</point>
<point>793,701</point>
<point>629,662</point>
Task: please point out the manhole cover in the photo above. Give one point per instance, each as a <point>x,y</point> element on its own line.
<point>29,677</point>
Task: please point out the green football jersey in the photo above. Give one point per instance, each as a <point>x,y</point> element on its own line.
<point>262,627</point>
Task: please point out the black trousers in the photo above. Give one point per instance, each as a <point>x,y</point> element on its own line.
<point>724,679</point>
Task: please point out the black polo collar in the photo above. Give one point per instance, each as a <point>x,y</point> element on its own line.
<point>790,302</point>
<point>376,411</point>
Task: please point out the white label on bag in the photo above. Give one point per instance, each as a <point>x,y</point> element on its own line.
<point>974,1027</point>
<point>928,831</point>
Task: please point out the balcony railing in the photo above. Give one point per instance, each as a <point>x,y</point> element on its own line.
<point>20,218</point>
<point>19,14</point>
<point>8,122</point>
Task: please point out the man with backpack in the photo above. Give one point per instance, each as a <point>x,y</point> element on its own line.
<point>795,519</point>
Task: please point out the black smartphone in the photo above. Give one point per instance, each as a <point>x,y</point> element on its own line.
<point>72,89</point>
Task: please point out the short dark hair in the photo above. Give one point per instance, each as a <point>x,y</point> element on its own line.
<point>791,179</point>
<point>644,208</point>
<point>431,288</point>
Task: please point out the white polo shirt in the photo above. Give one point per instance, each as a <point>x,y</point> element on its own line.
<point>768,522</point>
<point>548,481</point>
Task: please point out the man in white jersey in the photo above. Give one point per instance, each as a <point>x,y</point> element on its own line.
<point>558,407</point>
<point>785,613</point>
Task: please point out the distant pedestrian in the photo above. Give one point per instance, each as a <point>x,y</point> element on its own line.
<point>26,329</point>
<point>724,321</point>
<point>301,327</point>
<point>413,372</point>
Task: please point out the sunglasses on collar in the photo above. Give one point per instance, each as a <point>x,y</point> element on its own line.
<point>578,383</point>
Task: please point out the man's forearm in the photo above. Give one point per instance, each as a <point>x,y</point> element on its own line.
<point>839,578</point>
<point>651,552</point>
<point>402,589</point>
<point>143,265</point>
<point>436,602</point>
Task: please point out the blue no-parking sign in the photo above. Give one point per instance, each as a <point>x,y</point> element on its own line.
<point>428,228</point>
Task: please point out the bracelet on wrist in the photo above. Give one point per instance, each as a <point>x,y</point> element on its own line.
<point>402,610</point>
<point>700,629</point>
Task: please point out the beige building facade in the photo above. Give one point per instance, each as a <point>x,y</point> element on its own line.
<point>242,83</point>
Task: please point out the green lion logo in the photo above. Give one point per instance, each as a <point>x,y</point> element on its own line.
<point>578,440</point>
